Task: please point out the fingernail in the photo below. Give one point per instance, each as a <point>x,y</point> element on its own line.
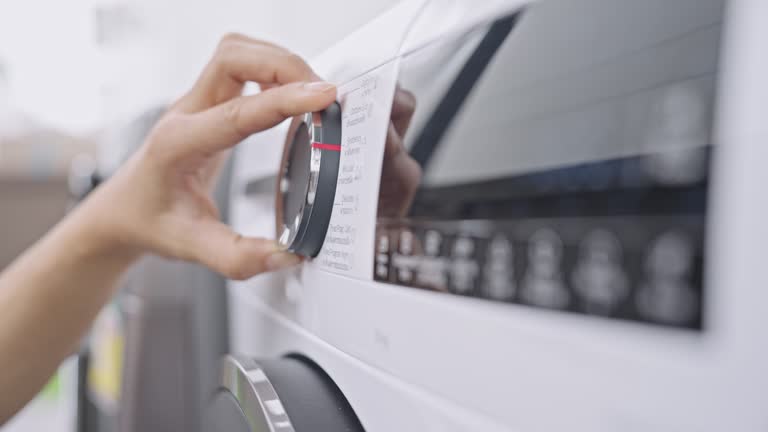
<point>281,260</point>
<point>319,86</point>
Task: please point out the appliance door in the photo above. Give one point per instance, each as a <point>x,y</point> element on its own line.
<point>288,394</point>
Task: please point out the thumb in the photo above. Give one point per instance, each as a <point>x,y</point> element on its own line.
<point>216,246</point>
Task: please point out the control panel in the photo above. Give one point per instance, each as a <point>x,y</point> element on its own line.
<point>603,267</point>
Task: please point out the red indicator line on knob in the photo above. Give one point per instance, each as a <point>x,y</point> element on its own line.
<point>323,146</point>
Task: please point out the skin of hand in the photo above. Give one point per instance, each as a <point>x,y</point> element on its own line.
<point>158,202</point>
<point>400,173</point>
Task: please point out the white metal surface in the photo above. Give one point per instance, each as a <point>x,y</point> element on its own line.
<point>411,360</point>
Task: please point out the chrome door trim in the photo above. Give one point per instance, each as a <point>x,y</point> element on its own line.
<point>249,385</point>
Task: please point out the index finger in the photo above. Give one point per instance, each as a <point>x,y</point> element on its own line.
<point>238,61</point>
<point>225,125</point>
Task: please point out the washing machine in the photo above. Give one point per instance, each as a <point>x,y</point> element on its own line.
<point>544,216</point>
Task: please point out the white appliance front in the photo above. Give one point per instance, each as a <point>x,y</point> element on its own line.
<point>590,75</point>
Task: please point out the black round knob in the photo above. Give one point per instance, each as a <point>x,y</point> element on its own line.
<point>306,185</point>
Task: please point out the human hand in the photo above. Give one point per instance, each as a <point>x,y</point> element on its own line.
<point>400,173</point>
<point>160,200</point>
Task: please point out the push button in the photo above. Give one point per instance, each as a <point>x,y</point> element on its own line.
<point>433,265</point>
<point>599,278</point>
<point>465,268</point>
<point>666,295</point>
<point>543,283</point>
<point>499,275</point>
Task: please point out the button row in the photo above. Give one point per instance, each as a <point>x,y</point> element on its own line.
<point>637,270</point>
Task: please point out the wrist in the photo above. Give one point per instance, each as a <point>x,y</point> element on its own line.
<point>94,229</point>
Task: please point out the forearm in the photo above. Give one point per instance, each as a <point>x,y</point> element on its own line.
<point>48,298</point>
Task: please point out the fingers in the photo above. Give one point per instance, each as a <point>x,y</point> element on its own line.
<point>216,246</point>
<point>403,107</point>
<point>238,60</point>
<point>245,38</point>
<point>227,124</point>
<point>393,145</point>
<point>400,175</point>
